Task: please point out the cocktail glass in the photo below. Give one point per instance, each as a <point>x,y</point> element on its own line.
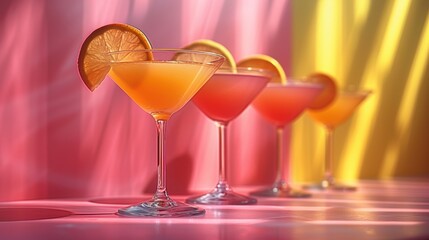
<point>222,99</point>
<point>331,116</point>
<point>280,104</point>
<point>161,82</point>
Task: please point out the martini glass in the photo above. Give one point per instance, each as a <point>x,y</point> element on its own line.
<point>161,82</point>
<point>331,116</point>
<point>222,99</point>
<point>280,104</point>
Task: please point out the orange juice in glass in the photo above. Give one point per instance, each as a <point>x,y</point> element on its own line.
<point>340,110</point>
<point>150,84</point>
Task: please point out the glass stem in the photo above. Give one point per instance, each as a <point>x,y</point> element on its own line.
<point>329,156</point>
<point>280,181</point>
<point>222,184</point>
<point>161,188</point>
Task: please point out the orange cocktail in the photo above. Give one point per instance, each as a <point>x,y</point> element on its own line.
<point>331,116</point>
<point>161,82</point>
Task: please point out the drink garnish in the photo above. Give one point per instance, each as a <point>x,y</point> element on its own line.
<point>265,62</point>
<point>207,45</point>
<point>94,61</point>
<point>328,93</point>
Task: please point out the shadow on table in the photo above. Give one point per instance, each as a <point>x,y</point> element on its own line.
<point>24,214</point>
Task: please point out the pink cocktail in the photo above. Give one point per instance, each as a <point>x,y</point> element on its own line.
<point>223,98</point>
<point>281,104</point>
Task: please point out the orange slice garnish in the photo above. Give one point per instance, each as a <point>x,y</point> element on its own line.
<point>207,45</point>
<point>265,62</point>
<point>328,93</point>
<point>93,61</point>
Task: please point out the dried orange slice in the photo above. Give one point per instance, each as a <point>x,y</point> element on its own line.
<point>207,45</point>
<point>93,62</point>
<point>265,62</point>
<point>328,93</point>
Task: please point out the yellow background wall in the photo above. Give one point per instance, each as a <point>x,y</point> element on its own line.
<point>381,45</point>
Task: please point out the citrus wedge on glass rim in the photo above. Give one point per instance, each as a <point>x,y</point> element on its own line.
<point>328,93</point>
<point>207,45</point>
<point>94,61</point>
<point>265,62</point>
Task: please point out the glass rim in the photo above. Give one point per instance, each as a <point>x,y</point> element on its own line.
<point>355,91</point>
<point>166,50</point>
<point>262,71</point>
<point>290,82</point>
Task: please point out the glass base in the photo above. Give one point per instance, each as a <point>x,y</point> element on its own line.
<point>281,193</point>
<point>330,185</point>
<point>161,208</point>
<point>222,195</point>
<point>281,189</point>
<point>117,200</point>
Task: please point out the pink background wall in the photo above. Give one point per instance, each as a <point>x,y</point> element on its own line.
<point>58,139</point>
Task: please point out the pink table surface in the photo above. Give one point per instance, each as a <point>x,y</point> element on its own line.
<point>378,210</point>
